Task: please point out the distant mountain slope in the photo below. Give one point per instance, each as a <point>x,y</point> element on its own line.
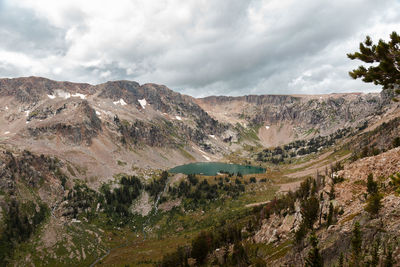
<point>284,118</point>
<point>83,170</point>
<point>97,126</point>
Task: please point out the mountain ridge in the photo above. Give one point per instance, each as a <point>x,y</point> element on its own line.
<point>89,163</point>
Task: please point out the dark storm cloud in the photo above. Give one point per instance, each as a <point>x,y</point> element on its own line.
<point>195,47</point>
<point>239,65</point>
<point>22,31</point>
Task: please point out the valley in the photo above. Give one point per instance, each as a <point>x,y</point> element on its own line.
<point>85,180</point>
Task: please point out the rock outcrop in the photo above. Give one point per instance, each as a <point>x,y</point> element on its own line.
<point>322,114</point>
<point>78,127</point>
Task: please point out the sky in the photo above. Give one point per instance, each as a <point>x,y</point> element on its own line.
<point>196,47</point>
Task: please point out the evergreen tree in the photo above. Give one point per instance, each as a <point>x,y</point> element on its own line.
<point>374,204</point>
<point>304,189</point>
<point>386,54</point>
<point>374,199</point>
<point>300,233</point>
<point>314,258</point>
<point>200,248</point>
<point>332,192</point>
<point>389,261</point>
<point>309,211</point>
<point>341,260</point>
<point>356,242</point>
<point>375,255</point>
<point>330,215</point>
<point>314,187</point>
<point>372,186</point>
<point>239,255</point>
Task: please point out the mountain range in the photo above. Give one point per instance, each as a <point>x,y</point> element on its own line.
<point>69,150</point>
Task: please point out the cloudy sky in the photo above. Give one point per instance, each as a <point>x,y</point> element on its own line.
<point>197,47</point>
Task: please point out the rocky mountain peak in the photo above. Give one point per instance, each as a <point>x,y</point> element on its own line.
<point>32,89</point>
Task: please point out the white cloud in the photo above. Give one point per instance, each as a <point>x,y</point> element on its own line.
<point>196,47</point>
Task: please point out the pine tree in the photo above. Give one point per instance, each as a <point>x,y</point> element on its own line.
<point>332,192</point>
<point>330,215</point>
<point>372,186</point>
<point>239,255</point>
<point>374,204</point>
<point>374,199</point>
<point>387,54</point>
<point>309,211</point>
<point>389,261</point>
<point>314,258</point>
<point>356,242</point>
<point>200,248</point>
<point>341,260</point>
<point>314,187</point>
<point>375,255</point>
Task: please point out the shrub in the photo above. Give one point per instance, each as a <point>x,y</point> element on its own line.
<point>374,204</point>
<point>200,248</point>
<point>396,142</point>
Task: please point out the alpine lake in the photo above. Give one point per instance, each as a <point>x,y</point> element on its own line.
<point>215,168</point>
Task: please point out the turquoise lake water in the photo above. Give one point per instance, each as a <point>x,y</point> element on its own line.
<point>212,168</point>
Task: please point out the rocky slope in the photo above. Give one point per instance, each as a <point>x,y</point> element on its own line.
<point>99,125</point>
<point>280,119</point>
<point>349,201</point>
<point>68,153</point>
<point>91,125</point>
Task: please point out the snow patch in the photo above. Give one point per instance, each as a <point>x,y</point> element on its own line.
<point>207,158</point>
<point>6,108</point>
<point>203,153</point>
<point>143,103</point>
<point>7,132</point>
<point>121,102</point>
<point>82,96</point>
<point>27,113</point>
<point>178,118</point>
<point>267,127</point>
<point>100,111</point>
<point>63,94</point>
<point>212,136</point>
<point>27,122</point>
<point>109,113</point>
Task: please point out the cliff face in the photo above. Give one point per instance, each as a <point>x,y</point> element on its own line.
<point>323,110</point>
<point>75,122</point>
<point>321,114</point>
